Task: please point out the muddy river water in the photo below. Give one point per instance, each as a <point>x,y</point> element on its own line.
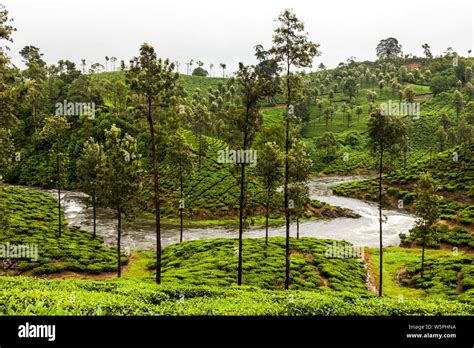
<point>140,234</point>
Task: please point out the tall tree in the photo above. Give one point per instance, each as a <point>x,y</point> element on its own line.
<point>388,48</point>
<point>300,169</point>
<point>9,92</point>
<point>244,122</point>
<point>270,171</point>
<point>223,67</point>
<point>88,166</point>
<point>154,81</point>
<point>119,177</point>
<point>35,73</point>
<point>291,49</point>
<point>427,211</point>
<point>54,131</point>
<point>83,64</point>
<point>427,51</point>
<point>458,103</point>
<point>350,86</point>
<point>385,132</point>
<point>181,159</point>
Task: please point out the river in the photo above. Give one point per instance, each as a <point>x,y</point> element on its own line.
<point>140,234</point>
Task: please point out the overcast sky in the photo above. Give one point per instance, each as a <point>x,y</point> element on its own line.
<point>226,31</point>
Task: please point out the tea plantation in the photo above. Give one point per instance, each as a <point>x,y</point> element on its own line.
<point>31,218</point>
<point>26,296</point>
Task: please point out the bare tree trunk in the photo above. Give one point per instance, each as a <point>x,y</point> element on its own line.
<point>380,220</point>
<point>119,235</point>
<point>33,113</point>
<point>287,166</point>
<point>181,209</point>
<point>157,193</point>
<point>242,200</point>
<point>297,228</point>
<point>94,212</point>
<point>423,259</point>
<point>59,194</point>
<point>266,215</point>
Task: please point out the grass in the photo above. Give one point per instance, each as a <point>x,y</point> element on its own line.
<point>402,273</point>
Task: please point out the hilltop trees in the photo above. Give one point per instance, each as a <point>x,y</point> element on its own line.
<point>119,177</point>
<point>154,81</point>
<point>200,71</point>
<point>385,132</point>
<point>291,49</point>
<point>223,67</point>
<point>427,51</point>
<point>388,48</point>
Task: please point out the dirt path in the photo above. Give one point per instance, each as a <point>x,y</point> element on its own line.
<point>370,280</point>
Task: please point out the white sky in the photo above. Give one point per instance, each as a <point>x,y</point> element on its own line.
<point>226,31</point>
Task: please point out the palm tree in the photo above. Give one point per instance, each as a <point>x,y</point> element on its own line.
<point>223,66</point>
<point>106,62</point>
<point>187,67</point>
<point>113,60</point>
<point>210,69</point>
<point>83,63</point>
<point>177,66</point>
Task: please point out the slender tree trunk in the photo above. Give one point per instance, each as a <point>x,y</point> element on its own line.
<point>287,166</point>
<point>59,194</point>
<point>266,215</point>
<point>242,199</point>
<point>380,220</point>
<point>33,113</point>
<point>181,209</point>
<point>94,212</point>
<point>241,221</point>
<point>199,150</point>
<point>297,228</point>
<point>157,192</point>
<point>119,235</point>
<point>423,259</point>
